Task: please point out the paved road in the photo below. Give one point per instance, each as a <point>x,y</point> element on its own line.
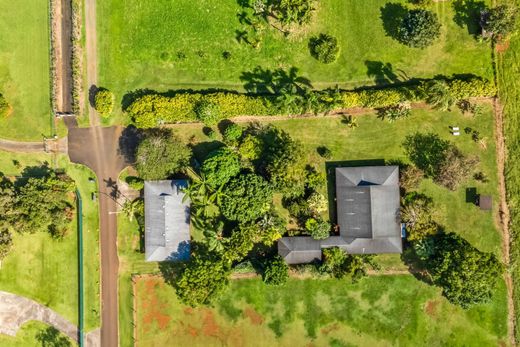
<point>103,150</point>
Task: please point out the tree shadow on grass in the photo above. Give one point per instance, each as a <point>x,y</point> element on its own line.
<point>52,337</point>
<point>265,81</point>
<point>467,14</point>
<point>384,74</point>
<point>392,15</point>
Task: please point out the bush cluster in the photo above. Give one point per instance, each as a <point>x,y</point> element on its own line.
<point>104,102</point>
<point>324,48</point>
<point>151,110</point>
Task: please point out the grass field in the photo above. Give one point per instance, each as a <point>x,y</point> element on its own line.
<point>46,270</point>
<point>139,42</point>
<point>377,311</point>
<point>509,91</point>
<point>36,334</point>
<point>24,69</point>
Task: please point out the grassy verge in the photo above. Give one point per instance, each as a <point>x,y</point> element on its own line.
<point>34,334</point>
<point>46,270</point>
<point>377,311</point>
<point>142,42</point>
<point>509,91</point>
<point>24,69</point>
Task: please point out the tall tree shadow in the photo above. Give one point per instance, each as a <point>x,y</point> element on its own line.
<point>384,74</point>
<point>265,81</point>
<point>467,14</point>
<point>52,337</point>
<point>392,14</point>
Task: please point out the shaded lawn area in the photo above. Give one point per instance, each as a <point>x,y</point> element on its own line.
<point>24,69</point>
<point>36,334</point>
<point>46,270</point>
<point>139,43</point>
<point>379,310</point>
<point>375,139</point>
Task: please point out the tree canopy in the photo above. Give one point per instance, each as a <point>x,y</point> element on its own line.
<point>276,271</point>
<point>500,21</point>
<point>104,102</point>
<point>220,166</point>
<point>324,48</point>
<point>160,156</point>
<point>419,28</point>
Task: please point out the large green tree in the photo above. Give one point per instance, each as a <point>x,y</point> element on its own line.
<point>220,166</point>
<point>419,28</point>
<point>276,271</point>
<point>500,21</point>
<point>466,275</point>
<point>246,198</point>
<point>160,156</point>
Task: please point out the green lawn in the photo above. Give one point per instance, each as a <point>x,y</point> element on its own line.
<point>509,91</point>
<point>139,42</point>
<point>24,69</point>
<point>45,270</point>
<point>36,334</point>
<point>377,311</point>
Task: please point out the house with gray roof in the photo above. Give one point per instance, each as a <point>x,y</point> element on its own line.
<point>167,221</point>
<point>367,201</point>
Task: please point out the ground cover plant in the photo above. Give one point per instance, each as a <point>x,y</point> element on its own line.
<point>147,46</point>
<point>44,268</point>
<point>323,312</point>
<point>24,69</point>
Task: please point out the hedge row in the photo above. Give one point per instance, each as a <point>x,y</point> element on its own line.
<point>154,109</point>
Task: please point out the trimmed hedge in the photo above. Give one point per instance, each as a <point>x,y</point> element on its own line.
<point>154,109</point>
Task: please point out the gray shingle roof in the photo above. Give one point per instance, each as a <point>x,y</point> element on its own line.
<point>368,216</point>
<point>167,221</point>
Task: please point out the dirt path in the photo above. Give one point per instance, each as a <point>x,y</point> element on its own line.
<point>504,216</point>
<point>24,147</point>
<point>91,52</point>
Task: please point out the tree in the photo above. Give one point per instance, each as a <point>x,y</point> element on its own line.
<point>132,207</point>
<point>204,197</point>
<point>419,28</point>
<point>410,177</point>
<point>338,264</point>
<point>455,168</point>
<point>104,102</point>
<point>207,112</point>
<point>426,151</point>
<point>7,202</point>
<point>161,155</point>
<point>276,271</point>
<point>417,212</point>
<point>324,48</point>
<point>466,275</point>
<point>438,94</point>
<point>246,198</point>
<point>500,21</point>
<point>317,203</point>
<point>203,280</point>
<point>317,228</point>
<point>220,166</point>
<point>239,244</point>
<point>251,147</point>
<point>44,204</point>
<point>6,242</point>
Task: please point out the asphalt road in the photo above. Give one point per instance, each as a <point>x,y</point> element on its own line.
<point>101,149</point>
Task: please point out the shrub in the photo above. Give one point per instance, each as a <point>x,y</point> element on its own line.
<point>207,112</point>
<point>410,177</point>
<point>220,166</point>
<point>439,95</point>
<point>276,272</point>
<point>317,228</point>
<point>324,48</point>
<point>324,152</point>
<point>417,212</point>
<point>500,21</point>
<point>317,203</point>
<point>455,168</point>
<point>251,147</point>
<point>6,242</point>
<point>104,102</point>
<point>395,112</point>
<point>4,107</point>
<point>134,182</point>
<point>233,133</point>
<point>419,28</point>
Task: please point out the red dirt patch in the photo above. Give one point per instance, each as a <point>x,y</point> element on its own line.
<point>188,310</point>
<point>255,317</point>
<point>209,325</point>
<point>501,47</point>
<point>151,306</point>
<point>194,332</point>
<point>431,308</point>
<point>329,329</point>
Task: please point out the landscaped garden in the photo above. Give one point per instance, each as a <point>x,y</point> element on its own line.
<point>24,70</point>
<point>41,261</point>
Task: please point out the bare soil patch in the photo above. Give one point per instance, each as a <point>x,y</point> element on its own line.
<point>254,317</point>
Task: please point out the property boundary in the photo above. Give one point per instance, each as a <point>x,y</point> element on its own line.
<point>80,270</point>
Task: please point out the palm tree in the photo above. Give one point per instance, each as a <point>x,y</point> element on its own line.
<point>130,208</point>
<point>204,198</point>
<point>438,94</point>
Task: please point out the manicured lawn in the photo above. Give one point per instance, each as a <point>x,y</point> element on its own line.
<point>377,311</point>
<point>24,68</point>
<point>380,140</point>
<point>509,91</point>
<point>35,334</point>
<point>46,270</point>
<point>139,43</point>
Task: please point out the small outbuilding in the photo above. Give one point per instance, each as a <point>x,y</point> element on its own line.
<point>167,221</point>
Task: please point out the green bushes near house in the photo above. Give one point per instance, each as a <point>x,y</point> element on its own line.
<point>154,109</point>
